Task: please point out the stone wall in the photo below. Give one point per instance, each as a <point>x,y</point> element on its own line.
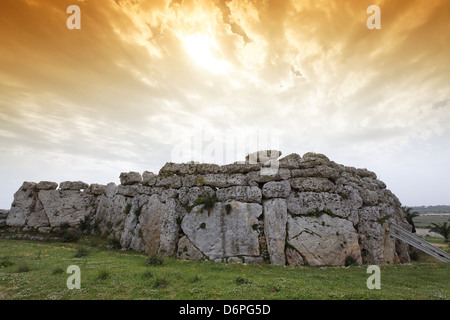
<point>309,211</point>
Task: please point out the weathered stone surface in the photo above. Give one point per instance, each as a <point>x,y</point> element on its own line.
<point>312,184</point>
<point>182,169</point>
<point>221,234</point>
<point>169,182</point>
<point>151,218</point>
<point>290,161</point>
<point>323,240</point>
<point>187,196</point>
<point>149,178</point>
<point>186,250</point>
<point>129,178</point>
<point>38,219</point>
<point>238,167</point>
<point>276,189</point>
<point>293,257</point>
<point>66,206</point>
<point>170,228</point>
<point>3,216</point>
<point>97,189</point>
<point>321,171</point>
<point>260,177</point>
<point>73,185</point>
<point>262,156</point>
<point>275,218</point>
<point>24,201</point>
<point>224,180</point>
<point>310,160</point>
<point>240,193</point>
<point>46,185</point>
<point>303,203</point>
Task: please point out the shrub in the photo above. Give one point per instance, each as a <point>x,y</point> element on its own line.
<point>115,243</point>
<point>351,260</point>
<point>127,208</point>
<point>138,211</point>
<point>154,260</point>
<point>202,225</point>
<point>160,283</point>
<point>240,280</point>
<point>81,252</point>
<point>103,274</point>
<point>208,202</point>
<point>5,263</point>
<point>84,224</point>
<point>228,208</point>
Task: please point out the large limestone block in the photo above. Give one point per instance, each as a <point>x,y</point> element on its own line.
<point>46,185</point>
<point>129,178</point>
<point>276,189</point>
<point>275,218</point>
<point>323,240</point>
<point>224,233</point>
<point>73,185</point>
<point>66,206</point>
<point>240,193</point>
<point>302,203</point>
<point>186,250</point>
<point>314,184</point>
<point>24,202</point>
<point>187,196</point>
<point>290,161</point>
<point>151,218</point>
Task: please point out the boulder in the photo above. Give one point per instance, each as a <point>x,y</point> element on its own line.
<point>24,202</point>
<point>323,240</point>
<point>224,233</point>
<point>275,218</point>
<point>149,178</point>
<point>240,193</point>
<point>276,189</point>
<point>262,156</point>
<point>46,185</point>
<point>73,185</point>
<point>186,250</point>
<point>290,161</point>
<point>130,178</point>
<point>312,184</point>
<point>97,189</point>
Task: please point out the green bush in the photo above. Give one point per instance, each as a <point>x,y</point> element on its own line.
<point>114,243</point>
<point>127,208</point>
<point>208,202</point>
<point>81,252</point>
<point>154,260</point>
<point>5,263</point>
<point>160,283</point>
<point>240,280</point>
<point>103,274</point>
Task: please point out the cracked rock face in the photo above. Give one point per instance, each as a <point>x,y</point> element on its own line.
<point>220,234</point>
<point>323,240</point>
<point>296,210</point>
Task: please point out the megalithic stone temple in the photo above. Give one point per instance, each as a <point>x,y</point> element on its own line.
<point>304,211</point>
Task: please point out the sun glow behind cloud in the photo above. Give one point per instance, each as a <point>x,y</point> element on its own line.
<point>203,49</point>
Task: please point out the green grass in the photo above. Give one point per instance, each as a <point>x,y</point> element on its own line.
<point>114,274</point>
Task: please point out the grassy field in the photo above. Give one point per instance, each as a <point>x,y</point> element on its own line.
<point>37,270</point>
<point>425,220</point>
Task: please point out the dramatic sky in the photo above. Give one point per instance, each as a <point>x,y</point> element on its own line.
<point>142,81</point>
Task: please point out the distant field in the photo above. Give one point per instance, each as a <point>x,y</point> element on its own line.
<point>37,270</point>
<point>425,220</point>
